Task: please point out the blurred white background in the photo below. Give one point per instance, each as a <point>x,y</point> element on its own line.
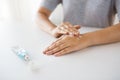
<point>25,10</point>
<point>93,62</point>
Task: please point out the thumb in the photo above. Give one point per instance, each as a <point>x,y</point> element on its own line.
<point>77,26</point>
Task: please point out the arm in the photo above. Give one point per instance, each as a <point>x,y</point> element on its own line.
<point>67,44</point>
<point>43,20</point>
<point>45,24</point>
<point>107,35</point>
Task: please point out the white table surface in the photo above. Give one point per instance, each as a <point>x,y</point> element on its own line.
<point>93,63</point>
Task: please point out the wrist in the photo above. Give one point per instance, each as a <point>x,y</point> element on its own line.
<point>89,39</point>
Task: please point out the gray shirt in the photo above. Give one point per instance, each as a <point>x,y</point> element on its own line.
<point>94,13</point>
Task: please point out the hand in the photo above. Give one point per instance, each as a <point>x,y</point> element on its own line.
<point>66,28</point>
<point>67,44</point>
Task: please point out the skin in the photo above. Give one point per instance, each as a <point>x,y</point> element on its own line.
<point>66,29</point>
<point>45,24</point>
<point>69,43</point>
<point>66,44</point>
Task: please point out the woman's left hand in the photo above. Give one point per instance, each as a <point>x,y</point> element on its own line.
<point>67,44</point>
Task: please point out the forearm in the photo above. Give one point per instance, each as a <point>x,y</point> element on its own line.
<point>44,23</point>
<point>107,35</point>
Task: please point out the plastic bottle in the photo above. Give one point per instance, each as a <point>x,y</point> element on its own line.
<point>24,55</point>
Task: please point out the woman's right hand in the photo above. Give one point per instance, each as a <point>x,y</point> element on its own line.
<point>66,29</point>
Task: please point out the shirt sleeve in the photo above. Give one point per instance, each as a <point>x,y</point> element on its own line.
<point>117,4</point>
<point>50,4</point>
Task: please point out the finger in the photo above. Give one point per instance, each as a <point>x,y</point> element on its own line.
<point>72,29</point>
<point>59,39</point>
<point>64,51</point>
<point>53,45</point>
<point>73,32</point>
<point>77,33</point>
<point>77,27</point>
<point>62,29</point>
<point>68,29</point>
<point>55,50</point>
<point>68,24</point>
<point>47,49</point>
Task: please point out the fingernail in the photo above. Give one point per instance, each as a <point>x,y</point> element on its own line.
<point>49,52</point>
<point>44,52</point>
